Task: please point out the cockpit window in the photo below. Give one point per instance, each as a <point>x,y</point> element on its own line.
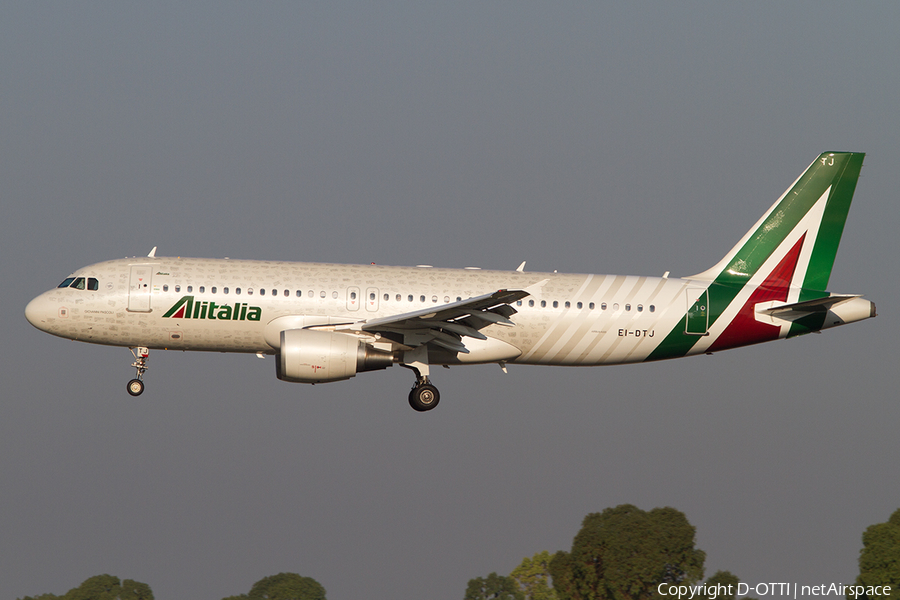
<point>78,283</point>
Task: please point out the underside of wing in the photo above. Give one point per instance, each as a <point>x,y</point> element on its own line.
<point>445,326</point>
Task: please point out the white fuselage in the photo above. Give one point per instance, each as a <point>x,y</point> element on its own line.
<point>568,320</point>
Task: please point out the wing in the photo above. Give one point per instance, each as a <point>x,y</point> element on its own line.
<point>445,325</point>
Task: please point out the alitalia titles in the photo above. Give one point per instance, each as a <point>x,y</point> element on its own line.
<point>187,308</point>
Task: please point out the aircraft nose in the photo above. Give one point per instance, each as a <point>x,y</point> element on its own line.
<point>37,312</point>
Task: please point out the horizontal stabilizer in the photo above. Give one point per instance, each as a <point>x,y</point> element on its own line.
<point>810,306</point>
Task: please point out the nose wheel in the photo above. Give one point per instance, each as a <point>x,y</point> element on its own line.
<point>136,385</point>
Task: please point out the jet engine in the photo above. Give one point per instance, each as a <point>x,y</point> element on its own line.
<point>311,356</point>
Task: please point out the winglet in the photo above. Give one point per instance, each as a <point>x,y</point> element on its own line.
<point>521,268</point>
<point>152,253</point>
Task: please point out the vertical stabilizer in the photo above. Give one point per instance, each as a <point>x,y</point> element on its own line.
<point>786,257</point>
<point>814,209</point>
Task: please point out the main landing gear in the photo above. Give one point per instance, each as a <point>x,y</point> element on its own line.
<point>423,396</point>
<point>136,385</point>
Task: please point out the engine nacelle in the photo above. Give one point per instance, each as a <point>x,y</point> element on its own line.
<point>311,356</point>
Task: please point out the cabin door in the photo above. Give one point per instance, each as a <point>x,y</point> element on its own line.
<point>139,288</point>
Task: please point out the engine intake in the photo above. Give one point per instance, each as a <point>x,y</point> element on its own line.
<point>311,356</point>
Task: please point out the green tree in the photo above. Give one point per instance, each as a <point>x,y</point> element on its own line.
<point>532,577</point>
<point>624,553</point>
<point>722,578</point>
<point>103,587</point>
<point>284,586</point>
<point>879,559</point>
<point>493,587</point>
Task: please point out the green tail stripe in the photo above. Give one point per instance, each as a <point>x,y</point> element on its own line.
<point>840,171</point>
<point>826,247</point>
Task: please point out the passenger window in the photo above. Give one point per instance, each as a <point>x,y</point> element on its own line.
<point>399,297</point>
<point>262,291</point>
<point>236,291</point>
<point>531,303</point>
<point>543,304</point>
<point>334,295</point>
<point>353,295</point>
<point>615,306</point>
<point>459,299</point>
<point>287,293</point>
<point>66,282</point>
<point>274,292</point>
<point>421,298</point>
<point>434,298</point>
<point>446,299</point>
<point>579,305</point>
<point>322,294</point>
<point>79,283</point>
<point>652,308</point>
<point>602,306</point>
<point>299,293</point>
<point>591,306</point>
<point>178,289</point>
<point>224,290</point>
<point>213,290</point>
<point>310,293</point>
<point>165,286</point>
<point>249,291</point>
<point>202,288</point>
<point>190,289</point>
<point>94,285</point>
<point>568,304</point>
<point>627,307</point>
<point>387,297</point>
<point>410,298</point>
<point>518,303</point>
<point>640,308</point>
<point>372,296</point>
<point>555,304</point>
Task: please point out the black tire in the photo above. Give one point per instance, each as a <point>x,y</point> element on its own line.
<point>135,387</point>
<point>424,397</point>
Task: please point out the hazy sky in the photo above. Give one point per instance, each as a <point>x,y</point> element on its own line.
<point>636,139</point>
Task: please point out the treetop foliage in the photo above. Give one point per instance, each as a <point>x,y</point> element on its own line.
<point>493,587</point>
<point>284,586</point>
<point>879,559</point>
<point>102,587</point>
<point>624,553</point>
<point>532,577</point>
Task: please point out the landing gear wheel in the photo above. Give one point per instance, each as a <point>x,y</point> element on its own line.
<point>424,397</point>
<point>135,387</point>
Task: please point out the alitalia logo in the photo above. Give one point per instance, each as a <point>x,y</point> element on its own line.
<point>186,308</point>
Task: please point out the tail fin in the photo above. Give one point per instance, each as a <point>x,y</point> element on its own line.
<point>814,210</point>
<point>783,262</point>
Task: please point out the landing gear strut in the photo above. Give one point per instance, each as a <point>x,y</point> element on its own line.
<point>423,396</point>
<point>136,385</point>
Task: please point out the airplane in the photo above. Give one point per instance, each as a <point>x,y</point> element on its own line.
<point>329,322</point>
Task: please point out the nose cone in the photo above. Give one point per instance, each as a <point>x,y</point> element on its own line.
<point>38,312</point>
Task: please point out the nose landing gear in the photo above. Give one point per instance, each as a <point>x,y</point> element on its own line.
<point>136,385</point>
